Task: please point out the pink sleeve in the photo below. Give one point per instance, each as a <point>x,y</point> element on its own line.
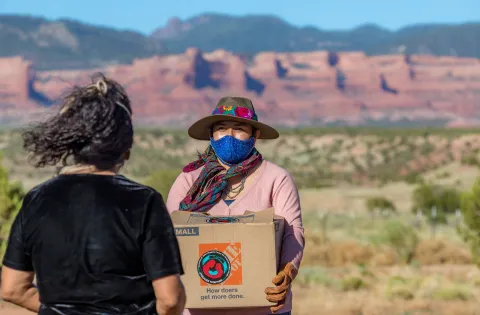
<point>178,191</point>
<point>286,201</point>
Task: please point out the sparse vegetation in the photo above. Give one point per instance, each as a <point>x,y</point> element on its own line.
<point>11,197</point>
<point>317,158</point>
<point>452,293</point>
<point>401,287</point>
<point>353,284</point>
<point>400,237</point>
<point>435,202</point>
<point>380,204</point>
<point>163,180</point>
<point>470,160</point>
<point>346,176</point>
<point>471,214</point>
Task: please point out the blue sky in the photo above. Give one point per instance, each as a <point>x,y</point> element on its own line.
<point>146,15</point>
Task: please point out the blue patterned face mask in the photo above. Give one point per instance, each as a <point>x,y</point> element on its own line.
<point>231,150</point>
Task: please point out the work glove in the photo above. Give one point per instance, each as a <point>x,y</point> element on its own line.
<point>283,282</point>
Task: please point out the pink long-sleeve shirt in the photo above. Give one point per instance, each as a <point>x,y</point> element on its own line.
<point>273,187</point>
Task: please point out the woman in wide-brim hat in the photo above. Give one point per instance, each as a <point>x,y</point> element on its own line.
<point>231,177</point>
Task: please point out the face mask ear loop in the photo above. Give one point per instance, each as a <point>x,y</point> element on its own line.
<point>253,146</point>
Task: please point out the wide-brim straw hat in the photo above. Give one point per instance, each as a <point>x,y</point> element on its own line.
<point>231,108</point>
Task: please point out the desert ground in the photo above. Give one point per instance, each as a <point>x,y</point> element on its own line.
<point>357,261</point>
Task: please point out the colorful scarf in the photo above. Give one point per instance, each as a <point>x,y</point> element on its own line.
<point>208,187</point>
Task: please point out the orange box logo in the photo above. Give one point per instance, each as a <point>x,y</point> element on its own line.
<point>220,264</point>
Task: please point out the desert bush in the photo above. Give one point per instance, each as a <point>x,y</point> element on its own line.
<point>400,292</point>
<point>382,203</point>
<point>476,281</point>
<point>401,288</point>
<point>452,293</point>
<point>318,178</point>
<point>470,160</point>
<point>11,197</point>
<point>413,178</point>
<point>316,275</point>
<point>332,254</point>
<point>444,175</point>
<point>427,197</point>
<point>400,236</point>
<point>438,252</point>
<point>163,180</point>
<point>352,284</point>
<point>470,231</point>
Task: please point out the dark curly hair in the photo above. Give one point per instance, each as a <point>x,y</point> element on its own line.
<point>94,126</point>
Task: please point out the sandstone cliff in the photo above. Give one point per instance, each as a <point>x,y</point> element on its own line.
<point>288,89</point>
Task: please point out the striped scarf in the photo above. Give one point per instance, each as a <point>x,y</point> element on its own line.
<point>207,189</point>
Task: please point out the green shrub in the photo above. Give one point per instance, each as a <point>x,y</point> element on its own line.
<point>400,292</point>
<point>399,236</point>
<point>163,180</point>
<point>413,178</point>
<point>444,175</point>
<point>316,275</point>
<point>11,197</point>
<point>470,231</point>
<point>381,203</point>
<point>352,284</point>
<point>402,288</point>
<point>445,200</point>
<point>452,293</point>
<point>470,160</point>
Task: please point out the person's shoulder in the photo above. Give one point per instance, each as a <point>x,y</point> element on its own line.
<point>135,186</point>
<point>278,178</point>
<point>126,181</point>
<point>41,187</point>
<point>276,171</point>
<point>37,193</point>
<point>190,176</point>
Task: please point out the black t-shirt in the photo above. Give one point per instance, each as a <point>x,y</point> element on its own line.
<point>95,242</point>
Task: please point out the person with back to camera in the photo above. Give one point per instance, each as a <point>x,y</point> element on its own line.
<point>231,177</point>
<point>97,242</point>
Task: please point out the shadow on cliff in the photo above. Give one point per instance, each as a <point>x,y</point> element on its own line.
<point>385,87</point>
<point>340,78</point>
<point>280,69</point>
<point>254,85</point>
<point>333,59</point>
<point>203,72</point>
<point>201,76</point>
<point>33,94</point>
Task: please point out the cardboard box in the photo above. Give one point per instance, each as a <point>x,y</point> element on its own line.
<point>228,260</point>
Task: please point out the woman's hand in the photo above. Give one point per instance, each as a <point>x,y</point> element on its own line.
<point>283,282</point>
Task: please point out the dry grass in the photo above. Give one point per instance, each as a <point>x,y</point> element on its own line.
<point>395,290</point>
<point>435,290</point>
<point>316,160</point>
<point>350,266</point>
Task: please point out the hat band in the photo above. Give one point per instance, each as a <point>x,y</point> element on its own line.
<point>236,111</point>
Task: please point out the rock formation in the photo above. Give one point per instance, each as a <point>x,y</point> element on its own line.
<point>287,88</point>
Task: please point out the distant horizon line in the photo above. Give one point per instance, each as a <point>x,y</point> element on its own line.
<point>366,24</point>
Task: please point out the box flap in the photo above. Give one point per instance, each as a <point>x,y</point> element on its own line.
<point>180,217</point>
<point>198,218</point>
<point>264,216</point>
<point>193,218</point>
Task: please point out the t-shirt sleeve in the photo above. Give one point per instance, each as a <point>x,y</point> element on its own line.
<point>16,256</point>
<point>160,250</point>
